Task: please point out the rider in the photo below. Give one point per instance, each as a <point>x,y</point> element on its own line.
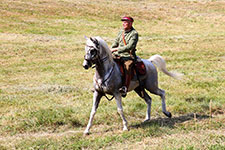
<point>124,48</point>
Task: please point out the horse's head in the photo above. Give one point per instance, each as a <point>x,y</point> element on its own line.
<point>92,50</point>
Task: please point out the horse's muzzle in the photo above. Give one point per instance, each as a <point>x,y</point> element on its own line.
<point>85,67</point>
<point>86,64</point>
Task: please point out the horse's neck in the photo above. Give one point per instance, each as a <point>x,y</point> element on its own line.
<point>103,69</point>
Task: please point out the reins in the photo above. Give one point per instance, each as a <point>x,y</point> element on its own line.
<point>109,99</point>
<point>100,60</point>
<point>111,71</point>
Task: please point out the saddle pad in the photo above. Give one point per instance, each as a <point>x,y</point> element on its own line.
<point>140,66</point>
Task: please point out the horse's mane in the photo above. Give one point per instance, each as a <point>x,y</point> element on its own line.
<point>105,47</point>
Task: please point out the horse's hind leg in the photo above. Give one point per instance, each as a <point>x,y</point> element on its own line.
<point>148,101</point>
<point>162,94</point>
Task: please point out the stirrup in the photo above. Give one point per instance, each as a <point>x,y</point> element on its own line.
<point>123,91</point>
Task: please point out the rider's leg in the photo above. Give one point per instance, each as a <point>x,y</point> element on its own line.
<point>127,77</point>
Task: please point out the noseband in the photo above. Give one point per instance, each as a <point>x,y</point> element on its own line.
<point>96,58</point>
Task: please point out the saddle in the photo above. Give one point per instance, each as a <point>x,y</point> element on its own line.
<point>137,68</point>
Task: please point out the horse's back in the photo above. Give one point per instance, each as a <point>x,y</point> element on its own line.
<point>150,68</point>
<point>151,74</point>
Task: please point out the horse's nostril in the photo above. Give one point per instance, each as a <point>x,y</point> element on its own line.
<point>85,66</point>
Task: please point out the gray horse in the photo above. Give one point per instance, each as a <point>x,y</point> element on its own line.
<point>108,79</point>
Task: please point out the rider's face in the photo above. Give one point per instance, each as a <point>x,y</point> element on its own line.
<point>127,25</point>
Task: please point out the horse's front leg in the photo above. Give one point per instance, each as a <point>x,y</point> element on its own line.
<point>120,110</point>
<point>96,99</point>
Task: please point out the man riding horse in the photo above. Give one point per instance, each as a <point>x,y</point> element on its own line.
<point>107,78</point>
<point>124,48</point>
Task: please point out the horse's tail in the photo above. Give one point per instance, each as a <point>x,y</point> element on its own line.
<point>161,64</point>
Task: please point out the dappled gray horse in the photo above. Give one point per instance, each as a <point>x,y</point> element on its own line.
<point>108,78</point>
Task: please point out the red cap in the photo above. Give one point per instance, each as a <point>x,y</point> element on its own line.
<point>127,19</point>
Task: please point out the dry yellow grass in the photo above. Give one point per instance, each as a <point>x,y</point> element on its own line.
<point>45,95</point>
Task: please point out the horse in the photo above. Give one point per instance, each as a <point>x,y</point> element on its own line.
<point>108,79</point>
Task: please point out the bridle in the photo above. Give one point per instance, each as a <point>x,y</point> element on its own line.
<point>95,58</point>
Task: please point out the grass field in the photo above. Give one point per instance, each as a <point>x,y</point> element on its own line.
<point>45,94</point>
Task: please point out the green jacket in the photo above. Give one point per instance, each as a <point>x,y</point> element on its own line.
<point>126,51</point>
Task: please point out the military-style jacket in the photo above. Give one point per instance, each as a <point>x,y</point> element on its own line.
<point>131,38</point>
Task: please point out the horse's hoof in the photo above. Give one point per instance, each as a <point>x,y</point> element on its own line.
<point>125,129</point>
<point>146,120</point>
<point>86,133</point>
<point>168,114</point>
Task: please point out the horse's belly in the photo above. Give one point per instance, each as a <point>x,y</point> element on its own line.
<point>133,84</point>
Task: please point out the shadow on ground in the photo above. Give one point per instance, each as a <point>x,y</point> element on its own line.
<point>170,122</point>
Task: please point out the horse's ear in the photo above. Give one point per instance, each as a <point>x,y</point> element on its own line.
<point>92,39</point>
<point>86,37</point>
<point>95,41</point>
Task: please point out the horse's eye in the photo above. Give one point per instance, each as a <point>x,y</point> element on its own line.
<point>93,52</point>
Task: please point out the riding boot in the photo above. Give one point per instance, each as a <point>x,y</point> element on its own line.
<point>127,77</point>
<point>124,89</point>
